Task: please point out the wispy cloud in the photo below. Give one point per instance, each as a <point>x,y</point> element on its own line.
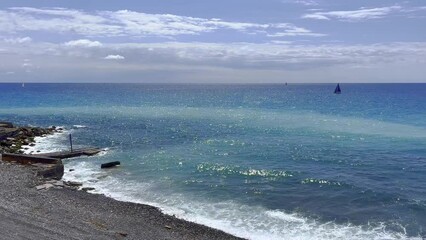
<point>354,15</point>
<point>17,40</point>
<point>307,2</point>
<point>296,31</point>
<point>125,23</point>
<point>114,57</point>
<point>83,43</point>
<point>301,2</point>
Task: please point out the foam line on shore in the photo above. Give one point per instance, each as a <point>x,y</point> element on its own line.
<point>48,143</point>
<point>252,222</point>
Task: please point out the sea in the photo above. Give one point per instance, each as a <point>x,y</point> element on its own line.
<point>267,161</point>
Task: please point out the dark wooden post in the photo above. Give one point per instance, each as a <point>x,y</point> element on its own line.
<point>70,141</point>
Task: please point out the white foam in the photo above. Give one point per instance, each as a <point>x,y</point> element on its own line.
<point>48,143</point>
<point>252,222</point>
<point>79,126</point>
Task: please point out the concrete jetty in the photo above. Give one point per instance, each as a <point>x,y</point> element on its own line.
<point>45,166</point>
<point>71,154</point>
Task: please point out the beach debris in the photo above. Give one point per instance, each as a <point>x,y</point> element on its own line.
<point>71,170</point>
<point>110,164</point>
<point>88,189</point>
<point>167,226</point>
<point>44,186</point>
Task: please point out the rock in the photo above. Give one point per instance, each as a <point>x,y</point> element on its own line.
<point>73,184</point>
<point>6,124</point>
<point>110,164</point>
<point>88,189</point>
<point>71,170</point>
<point>53,171</point>
<point>32,144</point>
<point>59,184</point>
<point>5,143</point>
<point>122,234</point>
<point>168,227</point>
<point>44,186</point>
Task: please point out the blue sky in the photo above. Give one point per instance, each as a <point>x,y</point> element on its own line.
<point>234,41</point>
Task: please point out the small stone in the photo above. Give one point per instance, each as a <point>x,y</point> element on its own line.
<point>88,189</point>
<point>59,184</point>
<point>168,227</point>
<point>71,170</point>
<point>44,186</point>
<point>73,184</point>
<point>122,234</point>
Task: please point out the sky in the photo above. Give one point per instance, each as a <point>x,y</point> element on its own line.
<point>196,41</point>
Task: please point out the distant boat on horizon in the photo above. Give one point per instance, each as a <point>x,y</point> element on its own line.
<point>337,90</point>
<point>23,84</point>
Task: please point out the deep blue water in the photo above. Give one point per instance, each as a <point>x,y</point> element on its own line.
<point>258,161</point>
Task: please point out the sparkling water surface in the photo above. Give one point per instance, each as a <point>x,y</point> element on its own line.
<point>257,161</point>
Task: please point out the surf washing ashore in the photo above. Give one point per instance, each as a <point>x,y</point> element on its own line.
<point>254,161</point>
<point>36,207</point>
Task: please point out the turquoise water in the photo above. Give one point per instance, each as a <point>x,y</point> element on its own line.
<point>257,161</point>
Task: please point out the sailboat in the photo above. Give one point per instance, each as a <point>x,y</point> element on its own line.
<point>337,90</point>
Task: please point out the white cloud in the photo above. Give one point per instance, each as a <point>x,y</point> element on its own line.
<point>296,31</point>
<point>243,62</point>
<point>355,15</point>
<point>302,2</point>
<point>83,43</point>
<point>18,40</point>
<point>114,57</point>
<point>307,2</point>
<point>123,23</point>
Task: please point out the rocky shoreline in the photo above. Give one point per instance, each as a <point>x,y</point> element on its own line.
<point>32,207</point>
<point>35,207</point>
<point>15,139</point>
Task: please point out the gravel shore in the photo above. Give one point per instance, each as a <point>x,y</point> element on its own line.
<point>65,213</point>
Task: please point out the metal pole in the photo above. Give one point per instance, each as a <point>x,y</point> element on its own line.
<point>70,141</point>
